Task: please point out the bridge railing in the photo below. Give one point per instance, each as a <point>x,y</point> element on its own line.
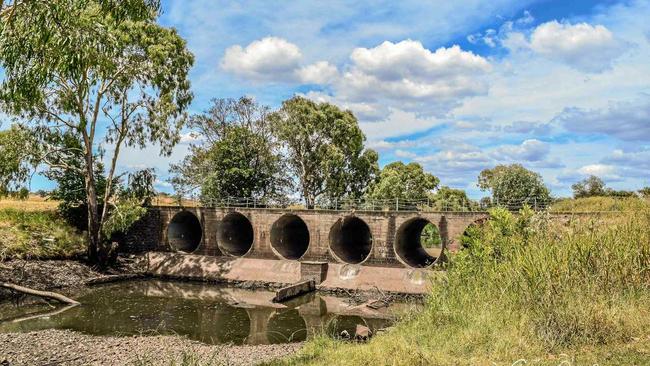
<point>448,205</point>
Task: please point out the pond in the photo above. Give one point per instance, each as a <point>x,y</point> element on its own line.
<point>208,313</point>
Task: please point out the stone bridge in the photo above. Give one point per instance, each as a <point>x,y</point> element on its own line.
<point>368,238</point>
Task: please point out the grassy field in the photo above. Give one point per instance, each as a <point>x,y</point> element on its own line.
<point>600,204</point>
<point>33,203</point>
<point>528,290</point>
<point>32,229</point>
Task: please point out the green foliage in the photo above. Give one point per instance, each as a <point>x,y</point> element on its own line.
<point>71,186</point>
<point>430,237</point>
<point>589,187</point>
<point>122,216</point>
<point>15,164</point>
<point>403,181</point>
<point>37,234</point>
<point>514,186</point>
<point>595,187</point>
<point>140,187</point>
<point>325,149</point>
<point>452,199</point>
<point>527,289</point>
<point>239,157</point>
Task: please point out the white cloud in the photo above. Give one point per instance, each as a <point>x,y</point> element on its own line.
<point>408,73</point>
<point>586,47</point>
<point>600,170</point>
<point>321,72</point>
<point>530,150</point>
<point>269,58</point>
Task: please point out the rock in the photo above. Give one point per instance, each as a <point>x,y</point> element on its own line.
<point>362,333</point>
<point>344,334</point>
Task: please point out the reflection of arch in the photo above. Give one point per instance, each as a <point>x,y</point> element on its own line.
<point>290,236</point>
<point>350,240</point>
<point>408,243</point>
<point>235,234</point>
<point>286,326</point>
<point>184,232</point>
<point>223,324</point>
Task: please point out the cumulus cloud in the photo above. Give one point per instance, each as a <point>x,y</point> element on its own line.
<point>529,150</point>
<point>600,170</point>
<point>586,47</point>
<point>409,73</point>
<point>321,72</point>
<point>265,59</point>
<point>625,120</point>
<point>275,59</point>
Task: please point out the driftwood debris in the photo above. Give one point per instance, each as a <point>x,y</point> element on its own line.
<point>45,294</point>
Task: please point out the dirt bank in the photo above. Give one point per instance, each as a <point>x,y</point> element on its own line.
<point>64,347</point>
<point>63,275</point>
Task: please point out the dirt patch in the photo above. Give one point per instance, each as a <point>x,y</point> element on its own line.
<point>64,347</point>
<point>63,275</point>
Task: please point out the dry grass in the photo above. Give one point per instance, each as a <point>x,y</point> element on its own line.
<point>601,204</point>
<point>33,203</point>
<point>32,229</point>
<point>173,201</point>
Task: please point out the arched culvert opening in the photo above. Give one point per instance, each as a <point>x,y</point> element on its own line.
<point>235,234</point>
<point>418,243</point>
<point>290,236</point>
<point>351,240</point>
<point>184,232</point>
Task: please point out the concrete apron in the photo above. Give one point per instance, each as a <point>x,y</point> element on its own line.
<point>339,276</point>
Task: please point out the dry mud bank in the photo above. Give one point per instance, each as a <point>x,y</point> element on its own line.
<point>63,347</point>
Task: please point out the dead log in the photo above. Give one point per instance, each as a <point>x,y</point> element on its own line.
<point>43,314</point>
<point>45,294</point>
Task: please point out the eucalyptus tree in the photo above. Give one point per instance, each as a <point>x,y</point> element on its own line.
<point>234,154</point>
<point>325,150</point>
<point>513,185</point>
<point>101,70</point>
<point>404,182</point>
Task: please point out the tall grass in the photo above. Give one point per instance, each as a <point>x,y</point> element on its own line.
<point>601,204</point>
<point>37,234</point>
<point>526,288</point>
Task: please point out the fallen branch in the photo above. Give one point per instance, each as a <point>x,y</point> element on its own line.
<point>45,294</point>
<point>44,314</point>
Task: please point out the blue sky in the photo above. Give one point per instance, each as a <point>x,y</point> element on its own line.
<point>562,87</point>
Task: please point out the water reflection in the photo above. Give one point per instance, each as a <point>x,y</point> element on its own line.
<point>208,313</point>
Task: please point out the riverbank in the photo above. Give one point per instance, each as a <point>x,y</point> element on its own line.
<point>64,347</point>
<point>64,275</point>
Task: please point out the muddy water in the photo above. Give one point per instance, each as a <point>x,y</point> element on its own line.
<point>208,313</point>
